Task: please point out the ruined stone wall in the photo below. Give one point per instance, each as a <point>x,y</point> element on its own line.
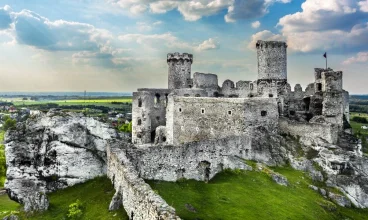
<point>242,89</point>
<point>179,70</point>
<point>194,92</point>
<point>204,159</point>
<point>192,119</point>
<point>205,81</point>
<point>139,200</point>
<point>272,60</point>
<point>309,133</point>
<point>149,112</point>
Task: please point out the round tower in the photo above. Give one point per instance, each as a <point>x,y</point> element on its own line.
<point>180,66</point>
<point>272,60</point>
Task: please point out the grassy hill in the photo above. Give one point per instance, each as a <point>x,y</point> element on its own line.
<point>94,196</point>
<point>231,195</point>
<point>252,195</point>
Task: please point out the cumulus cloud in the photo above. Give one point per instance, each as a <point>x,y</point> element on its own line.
<point>193,10</point>
<point>168,40</point>
<point>256,24</point>
<point>5,19</point>
<point>361,57</point>
<point>363,6</point>
<point>325,25</point>
<point>209,44</point>
<point>264,35</point>
<point>34,30</point>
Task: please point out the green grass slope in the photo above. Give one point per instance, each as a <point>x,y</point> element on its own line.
<point>251,195</point>
<point>94,195</point>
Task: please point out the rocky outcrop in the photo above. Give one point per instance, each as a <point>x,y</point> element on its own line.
<point>53,151</point>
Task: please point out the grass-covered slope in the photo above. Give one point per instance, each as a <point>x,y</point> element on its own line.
<point>94,195</point>
<point>251,195</point>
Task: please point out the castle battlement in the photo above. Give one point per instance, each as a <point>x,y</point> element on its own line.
<point>271,44</point>
<point>179,56</point>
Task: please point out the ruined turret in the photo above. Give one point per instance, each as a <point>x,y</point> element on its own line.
<point>179,70</point>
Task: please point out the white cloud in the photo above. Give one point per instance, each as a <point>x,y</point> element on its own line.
<point>193,10</point>
<point>138,9</point>
<point>264,35</point>
<point>168,40</point>
<point>256,24</point>
<point>142,26</point>
<point>161,7</point>
<point>209,44</point>
<point>328,24</point>
<point>361,57</point>
<point>157,23</point>
<point>363,6</point>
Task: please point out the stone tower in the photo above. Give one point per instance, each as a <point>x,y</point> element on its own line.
<point>180,70</point>
<point>272,60</point>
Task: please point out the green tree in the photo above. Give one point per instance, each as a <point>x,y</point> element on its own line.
<point>126,128</point>
<point>9,124</point>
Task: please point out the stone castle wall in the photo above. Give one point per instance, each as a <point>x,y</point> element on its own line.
<point>180,66</point>
<point>272,60</point>
<point>139,200</point>
<point>309,131</point>
<point>194,119</point>
<point>149,112</point>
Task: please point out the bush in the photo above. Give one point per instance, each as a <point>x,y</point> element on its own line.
<point>360,119</point>
<point>75,210</point>
<point>9,124</point>
<point>126,128</point>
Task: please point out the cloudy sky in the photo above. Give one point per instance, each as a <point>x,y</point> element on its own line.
<point>120,45</point>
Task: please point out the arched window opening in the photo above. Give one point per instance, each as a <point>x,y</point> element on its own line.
<point>139,102</point>
<point>139,121</point>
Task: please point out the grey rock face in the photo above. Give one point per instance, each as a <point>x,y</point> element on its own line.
<point>279,179</point>
<point>116,201</point>
<point>339,199</point>
<point>53,151</point>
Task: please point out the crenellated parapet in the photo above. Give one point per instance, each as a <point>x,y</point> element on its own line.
<point>271,44</point>
<point>179,56</point>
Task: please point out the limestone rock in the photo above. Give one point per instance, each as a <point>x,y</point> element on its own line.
<point>315,188</point>
<point>339,199</point>
<point>279,179</point>
<point>11,217</point>
<point>116,201</point>
<point>53,151</point>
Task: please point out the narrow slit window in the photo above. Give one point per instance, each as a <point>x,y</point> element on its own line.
<point>229,112</point>
<point>139,122</point>
<point>263,113</point>
<point>202,110</point>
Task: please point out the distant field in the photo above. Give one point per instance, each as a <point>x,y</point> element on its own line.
<point>357,126</point>
<point>99,102</point>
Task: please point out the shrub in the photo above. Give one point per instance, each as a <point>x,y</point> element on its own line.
<point>75,210</point>
<point>360,119</point>
<point>126,128</point>
<point>9,124</point>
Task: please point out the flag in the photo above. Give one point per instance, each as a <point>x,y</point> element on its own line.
<point>325,55</point>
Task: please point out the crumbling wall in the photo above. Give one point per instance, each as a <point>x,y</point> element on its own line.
<point>309,133</point>
<point>193,119</point>
<point>204,159</point>
<point>137,197</point>
<point>149,112</point>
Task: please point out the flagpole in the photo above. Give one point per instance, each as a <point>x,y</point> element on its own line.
<point>326,61</point>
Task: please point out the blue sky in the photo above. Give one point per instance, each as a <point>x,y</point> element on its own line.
<point>121,45</point>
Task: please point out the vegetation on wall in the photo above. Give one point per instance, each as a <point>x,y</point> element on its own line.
<point>2,159</point>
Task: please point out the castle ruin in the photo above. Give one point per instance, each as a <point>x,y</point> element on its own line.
<point>197,108</point>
